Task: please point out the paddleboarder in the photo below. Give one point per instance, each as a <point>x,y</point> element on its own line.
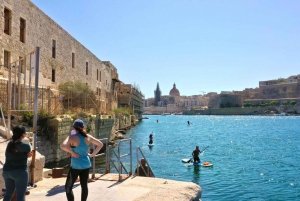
<point>195,154</point>
<point>151,138</point>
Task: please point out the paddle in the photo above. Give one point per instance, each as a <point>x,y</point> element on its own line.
<point>200,152</point>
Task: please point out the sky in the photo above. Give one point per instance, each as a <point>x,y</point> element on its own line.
<point>200,45</point>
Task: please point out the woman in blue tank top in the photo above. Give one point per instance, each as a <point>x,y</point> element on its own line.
<point>77,146</point>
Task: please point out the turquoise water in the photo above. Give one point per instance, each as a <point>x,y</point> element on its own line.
<point>254,157</point>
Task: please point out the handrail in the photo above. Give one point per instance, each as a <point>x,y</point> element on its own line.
<point>101,154</point>
<point>118,155</point>
<point>2,116</point>
<point>138,150</point>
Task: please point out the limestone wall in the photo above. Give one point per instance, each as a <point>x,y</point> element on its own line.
<point>49,144</point>
<point>40,31</point>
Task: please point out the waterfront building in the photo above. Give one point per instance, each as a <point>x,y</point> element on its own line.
<point>62,58</point>
<point>130,96</point>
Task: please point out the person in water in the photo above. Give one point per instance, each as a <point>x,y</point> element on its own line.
<point>77,146</point>
<point>143,170</point>
<point>195,154</point>
<point>188,122</point>
<point>151,138</point>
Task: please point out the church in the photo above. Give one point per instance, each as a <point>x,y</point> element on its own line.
<point>172,103</point>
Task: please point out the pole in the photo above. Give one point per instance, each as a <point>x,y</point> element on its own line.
<point>8,103</point>
<point>35,114</point>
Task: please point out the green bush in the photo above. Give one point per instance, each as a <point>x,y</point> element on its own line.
<point>293,102</point>
<point>123,110</point>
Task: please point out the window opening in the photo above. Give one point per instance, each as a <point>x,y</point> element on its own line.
<point>53,75</point>
<point>7,19</point>
<point>53,48</point>
<point>73,60</point>
<point>22,30</point>
<point>86,68</point>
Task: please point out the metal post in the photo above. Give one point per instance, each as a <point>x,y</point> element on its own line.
<point>108,159</point>
<point>35,116</point>
<point>24,92</point>
<point>130,173</point>
<point>42,97</point>
<point>19,83</point>
<point>119,163</point>
<point>29,84</point>
<point>8,103</point>
<point>94,162</point>
<point>15,82</point>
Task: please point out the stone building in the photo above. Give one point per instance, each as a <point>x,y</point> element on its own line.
<point>131,97</point>
<point>23,27</point>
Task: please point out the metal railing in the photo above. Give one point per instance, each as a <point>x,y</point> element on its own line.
<point>104,141</point>
<point>138,164</point>
<point>120,166</point>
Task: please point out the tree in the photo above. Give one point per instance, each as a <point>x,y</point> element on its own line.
<point>293,102</point>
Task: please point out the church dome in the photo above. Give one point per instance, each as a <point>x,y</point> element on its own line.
<point>174,91</point>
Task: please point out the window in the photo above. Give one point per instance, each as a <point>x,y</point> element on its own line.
<point>6,58</point>
<point>22,64</point>
<point>53,75</point>
<point>100,76</point>
<point>22,30</point>
<point>86,68</point>
<point>7,20</point>
<point>97,74</point>
<point>73,60</point>
<point>53,48</point>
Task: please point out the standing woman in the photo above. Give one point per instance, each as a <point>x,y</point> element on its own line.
<point>77,146</point>
<point>15,171</point>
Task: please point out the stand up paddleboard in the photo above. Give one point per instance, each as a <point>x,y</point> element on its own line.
<point>185,160</point>
<point>205,164</point>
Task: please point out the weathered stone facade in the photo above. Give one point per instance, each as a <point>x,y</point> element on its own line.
<point>62,57</point>
<point>49,144</point>
<point>130,97</point>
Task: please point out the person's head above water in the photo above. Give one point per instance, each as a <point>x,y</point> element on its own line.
<point>197,147</point>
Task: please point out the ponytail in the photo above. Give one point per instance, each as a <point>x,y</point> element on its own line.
<point>13,148</point>
<point>82,131</point>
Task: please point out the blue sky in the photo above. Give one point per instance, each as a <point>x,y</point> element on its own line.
<point>209,45</point>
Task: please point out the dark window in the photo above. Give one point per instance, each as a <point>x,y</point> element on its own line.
<point>53,48</point>
<point>86,68</point>
<point>22,64</point>
<point>6,58</point>
<point>22,30</point>
<point>97,74</point>
<point>53,75</point>
<point>7,19</point>
<point>73,60</point>
<point>100,76</point>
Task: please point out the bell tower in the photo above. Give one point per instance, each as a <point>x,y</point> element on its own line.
<point>157,94</point>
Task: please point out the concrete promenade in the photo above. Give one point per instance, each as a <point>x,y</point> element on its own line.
<point>107,188</point>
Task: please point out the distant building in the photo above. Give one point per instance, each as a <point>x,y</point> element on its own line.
<point>157,95</point>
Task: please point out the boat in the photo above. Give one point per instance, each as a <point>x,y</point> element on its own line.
<point>282,114</point>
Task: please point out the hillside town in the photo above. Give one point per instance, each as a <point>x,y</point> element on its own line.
<point>281,91</point>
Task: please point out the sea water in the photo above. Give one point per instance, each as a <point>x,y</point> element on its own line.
<point>254,157</point>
